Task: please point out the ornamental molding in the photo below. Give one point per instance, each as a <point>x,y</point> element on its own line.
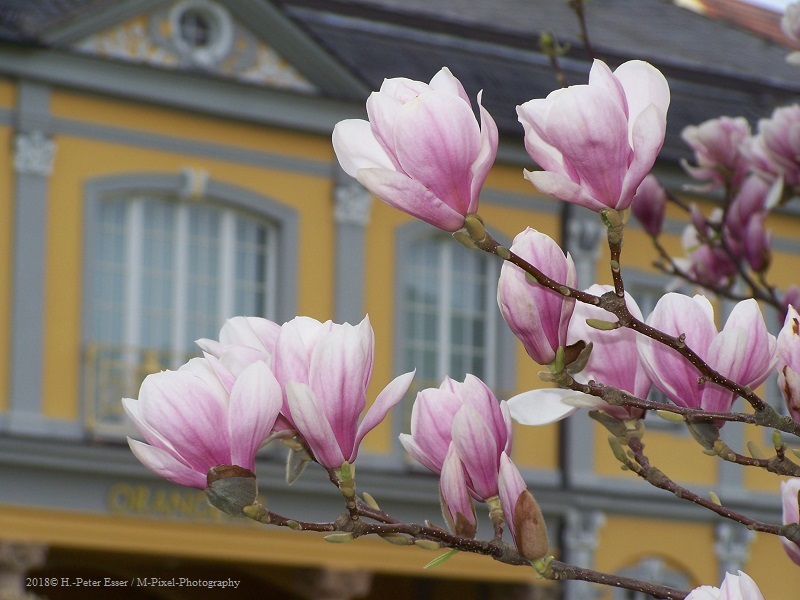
<point>732,546</point>
<point>192,35</point>
<point>352,202</point>
<point>34,154</point>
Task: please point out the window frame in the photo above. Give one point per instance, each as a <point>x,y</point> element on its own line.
<point>223,195</point>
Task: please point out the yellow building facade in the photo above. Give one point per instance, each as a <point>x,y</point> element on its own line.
<point>155,184</point>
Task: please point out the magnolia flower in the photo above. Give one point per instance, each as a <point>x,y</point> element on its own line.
<point>467,417</point>
<point>745,231</point>
<point>789,362</point>
<point>781,142</point>
<point>422,151</point>
<point>791,514</point>
<point>243,341</point>
<point>614,361</point>
<point>596,142</point>
<point>734,587</point>
<point>708,264</point>
<point>650,204</point>
<point>326,381</point>
<point>538,316</point>
<point>718,148</point>
<point>744,351</point>
<point>193,420</point>
<point>522,513</point>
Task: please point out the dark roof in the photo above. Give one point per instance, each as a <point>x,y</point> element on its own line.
<point>714,68</point>
<point>26,20</point>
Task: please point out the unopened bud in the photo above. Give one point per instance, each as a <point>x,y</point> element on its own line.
<point>230,488</point>
<point>463,238</point>
<point>427,544</point>
<point>339,538</point>
<point>475,227</point>
<point>529,528</point>
<point>670,416</point>
<point>714,498</point>
<point>754,450</point>
<point>370,501</point>
<point>398,539</point>
<point>602,324</point>
<point>777,440</point>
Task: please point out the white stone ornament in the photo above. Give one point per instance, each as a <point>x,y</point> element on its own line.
<point>34,153</point>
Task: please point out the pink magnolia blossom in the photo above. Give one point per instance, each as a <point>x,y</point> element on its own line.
<point>422,151</point>
<point>791,514</point>
<point>718,148</point>
<point>614,361</point>
<point>326,388</point>
<point>467,416</point>
<point>243,341</point>
<point>538,316</point>
<point>596,142</point>
<point>744,230</point>
<point>744,351</point>
<point>789,362</point>
<point>650,204</point>
<point>734,587</point>
<point>193,420</point>
<point>707,263</point>
<point>779,134</point>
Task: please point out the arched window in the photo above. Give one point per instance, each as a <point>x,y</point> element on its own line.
<point>655,570</point>
<point>162,271</point>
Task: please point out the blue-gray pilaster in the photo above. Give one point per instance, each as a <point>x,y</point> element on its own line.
<point>584,236</point>
<point>33,161</point>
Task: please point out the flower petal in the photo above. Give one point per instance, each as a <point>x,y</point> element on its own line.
<point>541,407</point>
<point>436,142</point>
<point>313,426</point>
<point>402,192</point>
<point>256,399</point>
<point>389,397</point>
<point>164,465</point>
<point>356,147</point>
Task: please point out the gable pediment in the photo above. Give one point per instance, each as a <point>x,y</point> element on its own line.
<point>251,41</point>
<point>198,35</point>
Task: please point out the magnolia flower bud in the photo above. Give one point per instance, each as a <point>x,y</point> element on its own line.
<point>537,316</point>
<point>650,204</point>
